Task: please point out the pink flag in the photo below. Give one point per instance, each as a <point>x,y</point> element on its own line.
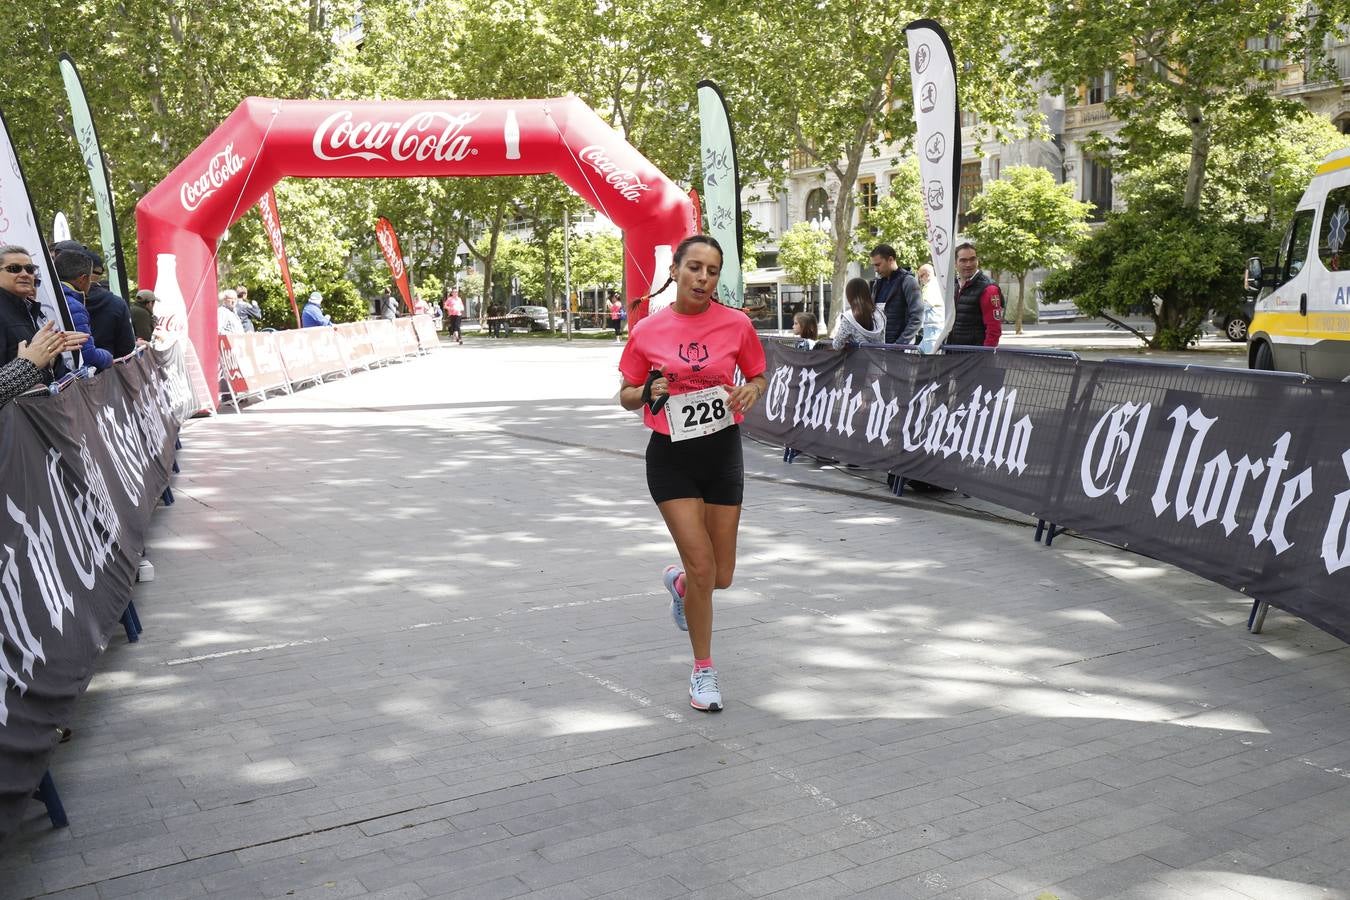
<point>267,206</point>
<point>388,241</point>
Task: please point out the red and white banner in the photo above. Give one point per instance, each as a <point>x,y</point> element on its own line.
<point>388,241</point>
<point>297,349</point>
<point>267,207</point>
<point>328,353</point>
<point>384,339</point>
<point>407,336</point>
<point>357,346</point>
<point>427,335</point>
<point>251,363</point>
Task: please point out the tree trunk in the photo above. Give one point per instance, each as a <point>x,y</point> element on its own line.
<point>1195,176</point>
<point>1021,299</point>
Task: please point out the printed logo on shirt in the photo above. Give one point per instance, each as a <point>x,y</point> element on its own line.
<point>695,354</point>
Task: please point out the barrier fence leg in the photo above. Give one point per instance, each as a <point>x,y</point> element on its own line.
<point>1050,535</point>
<point>46,792</point>
<point>789,454</point>
<point>896,483</point>
<point>167,496</point>
<point>129,625</point>
<point>1256,620</point>
<point>135,616</point>
<point>1040,530</point>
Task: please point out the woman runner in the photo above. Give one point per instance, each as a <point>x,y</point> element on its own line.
<point>680,365</point>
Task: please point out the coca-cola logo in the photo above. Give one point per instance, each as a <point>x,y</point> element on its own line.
<point>625,181</point>
<point>386,238</point>
<point>420,137</point>
<point>223,166</point>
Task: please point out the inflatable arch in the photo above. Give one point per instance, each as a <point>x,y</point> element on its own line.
<point>180,221</point>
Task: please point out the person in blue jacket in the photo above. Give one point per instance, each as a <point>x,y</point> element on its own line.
<point>312,315</point>
<point>75,268</point>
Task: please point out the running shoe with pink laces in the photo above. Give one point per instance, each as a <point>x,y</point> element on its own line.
<point>704,695</point>
<point>672,575</point>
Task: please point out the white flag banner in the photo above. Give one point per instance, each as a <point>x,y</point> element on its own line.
<point>932,69</point>
<point>19,226</point>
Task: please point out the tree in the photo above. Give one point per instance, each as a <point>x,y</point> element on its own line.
<point>1184,70</point>
<point>804,253</point>
<point>1156,258</point>
<point>898,220</point>
<point>836,97</point>
<point>1026,221</point>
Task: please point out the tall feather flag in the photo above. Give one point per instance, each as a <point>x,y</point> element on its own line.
<point>932,67</point>
<point>722,190</point>
<point>19,226</point>
<point>267,208</point>
<point>114,263</point>
<point>393,255</point>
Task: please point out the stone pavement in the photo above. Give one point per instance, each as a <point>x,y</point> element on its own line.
<point>408,639</point>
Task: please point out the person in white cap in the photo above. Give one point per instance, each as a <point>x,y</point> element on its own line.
<point>312,315</point>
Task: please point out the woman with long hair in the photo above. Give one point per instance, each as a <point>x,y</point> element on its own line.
<point>679,365</point>
<point>862,322</point>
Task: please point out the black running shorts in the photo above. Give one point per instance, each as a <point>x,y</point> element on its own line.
<point>707,468</point>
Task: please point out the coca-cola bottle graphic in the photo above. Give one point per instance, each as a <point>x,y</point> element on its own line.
<point>512,135</point>
<point>170,307</point>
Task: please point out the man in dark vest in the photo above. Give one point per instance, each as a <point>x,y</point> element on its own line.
<point>978,321</point>
<point>896,293</point>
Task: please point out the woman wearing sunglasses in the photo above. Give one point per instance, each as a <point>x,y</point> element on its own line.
<point>21,317</point>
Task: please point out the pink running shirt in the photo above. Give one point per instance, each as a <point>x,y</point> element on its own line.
<point>695,352</point>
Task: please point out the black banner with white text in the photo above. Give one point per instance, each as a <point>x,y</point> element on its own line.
<point>83,471</point>
<point>1240,477</point>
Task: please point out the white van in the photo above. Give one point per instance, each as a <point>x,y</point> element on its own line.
<point>1302,320</point>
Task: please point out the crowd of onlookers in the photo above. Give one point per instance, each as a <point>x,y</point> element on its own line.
<point>901,306</point>
<point>39,350</point>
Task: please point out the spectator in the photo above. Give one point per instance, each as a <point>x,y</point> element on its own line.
<point>934,309</point>
<point>20,313</point>
<point>978,320</point>
<point>895,293</point>
<point>805,328</point>
<point>862,322</point>
<point>143,315</point>
<point>312,316</point>
<point>109,316</point>
<point>388,306</point>
<point>227,321</point>
<point>75,268</point>
<point>615,314</point>
<point>34,358</point>
<point>420,307</point>
<point>248,311</point>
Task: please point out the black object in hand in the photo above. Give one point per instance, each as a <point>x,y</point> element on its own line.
<point>654,404</point>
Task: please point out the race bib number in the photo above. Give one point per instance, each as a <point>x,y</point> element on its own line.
<point>698,413</point>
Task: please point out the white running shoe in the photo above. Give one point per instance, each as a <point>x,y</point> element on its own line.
<point>704,694</point>
<point>676,601</point>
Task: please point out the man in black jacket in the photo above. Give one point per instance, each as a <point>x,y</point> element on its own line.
<point>109,315</point>
<point>896,293</point>
<point>978,321</point>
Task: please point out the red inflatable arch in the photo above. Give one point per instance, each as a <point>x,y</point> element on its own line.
<point>181,220</point>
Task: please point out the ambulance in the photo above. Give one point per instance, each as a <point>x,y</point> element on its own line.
<point>1302,320</point>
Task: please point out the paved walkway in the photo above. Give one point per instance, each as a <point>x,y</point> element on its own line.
<point>408,639</point>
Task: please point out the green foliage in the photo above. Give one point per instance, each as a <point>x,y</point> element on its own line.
<point>804,254</point>
<point>1183,70</point>
<point>343,302</point>
<point>898,220</point>
<point>1166,260</point>
<point>1026,221</point>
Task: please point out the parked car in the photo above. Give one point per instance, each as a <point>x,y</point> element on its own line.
<point>534,318</point>
<point>1234,324</point>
